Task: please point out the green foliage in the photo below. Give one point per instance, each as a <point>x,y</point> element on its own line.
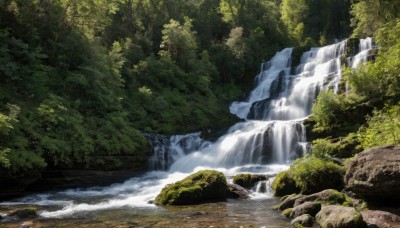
<point>325,110</point>
<point>303,20</point>
<point>284,184</point>
<point>371,15</point>
<point>178,42</point>
<point>382,128</point>
<point>338,148</point>
<point>202,186</point>
<point>313,174</point>
<point>309,175</point>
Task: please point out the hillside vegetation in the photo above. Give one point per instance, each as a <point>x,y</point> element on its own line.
<point>81,81</point>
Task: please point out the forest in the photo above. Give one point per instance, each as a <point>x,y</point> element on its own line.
<point>82,81</point>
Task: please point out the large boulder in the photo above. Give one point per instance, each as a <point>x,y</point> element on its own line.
<point>381,219</point>
<point>375,174</point>
<point>203,186</point>
<point>334,216</point>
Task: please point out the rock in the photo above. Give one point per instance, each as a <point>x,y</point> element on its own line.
<point>284,184</point>
<point>203,186</point>
<point>236,191</point>
<point>287,212</point>
<point>381,219</point>
<point>303,220</point>
<point>311,208</point>
<point>326,197</point>
<point>375,174</point>
<point>27,224</point>
<point>334,216</point>
<point>289,202</point>
<point>24,213</point>
<point>248,180</point>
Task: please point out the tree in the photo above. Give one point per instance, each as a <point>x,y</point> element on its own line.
<point>179,42</point>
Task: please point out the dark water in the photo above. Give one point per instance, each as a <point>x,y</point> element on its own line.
<point>233,213</point>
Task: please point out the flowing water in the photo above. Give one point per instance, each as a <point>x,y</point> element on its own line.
<point>268,139</point>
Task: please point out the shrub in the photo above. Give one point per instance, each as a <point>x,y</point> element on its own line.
<point>340,147</point>
<point>284,184</point>
<point>382,128</point>
<point>309,175</point>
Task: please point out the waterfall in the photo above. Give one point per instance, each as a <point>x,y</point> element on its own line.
<point>268,139</point>
<point>166,150</point>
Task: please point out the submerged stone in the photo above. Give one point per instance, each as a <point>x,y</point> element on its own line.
<point>203,186</point>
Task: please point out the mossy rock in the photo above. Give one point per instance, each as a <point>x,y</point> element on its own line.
<point>334,216</point>
<point>287,212</point>
<point>284,184</point>
<point>248,180</point>
<point>326,197</point>
<point>203,186</point>
<point>24,213</point>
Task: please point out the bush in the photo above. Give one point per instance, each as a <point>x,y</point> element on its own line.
<point>339,148</point>
<point>284,184</point>
<point>325,110</point>
<point>382,128</point>
<point>309,175</point>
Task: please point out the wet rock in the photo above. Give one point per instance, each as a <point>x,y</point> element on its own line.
<point>381,219</point>
<point>326,197</point>
<point>203,186</point>
<point>24,213</point>
<point>248,180</point>
<point>27,224</point>
<point>375,174</point>
<point>287,212</point>
<point>311,208</point>
<point>335,216</point>
<point>236,191</point>
<point>289,202</point>
<point>305,220</point>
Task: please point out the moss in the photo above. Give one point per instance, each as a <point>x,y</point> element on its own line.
<point>24,213</point>
<point>309,175</point>
<point>287,212</point>
<point>287,196</point>
<point>203,186</point>
<point>248,180</point>
<point>284,184</point>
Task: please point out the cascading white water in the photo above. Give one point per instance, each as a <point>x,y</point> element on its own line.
<point>166,150</point>
<point>271,136</point>
<point>365,46</point>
